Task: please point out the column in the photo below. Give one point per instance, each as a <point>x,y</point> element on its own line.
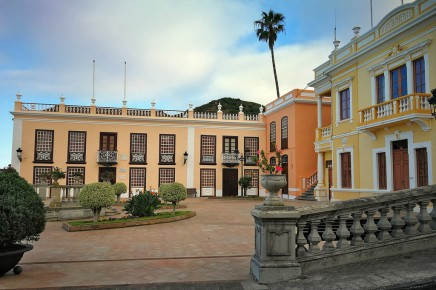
<point>373,90</point>
<point>409,70</point>
<point>387,85</point>
<point>320,169</point>
<point>319,107</point>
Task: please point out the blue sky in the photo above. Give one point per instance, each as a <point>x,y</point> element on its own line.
<point>177,52</point>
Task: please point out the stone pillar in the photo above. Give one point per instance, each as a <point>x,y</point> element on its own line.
<point>191,112</point>
<point>274,259</point>
<point>241,113</point>
<point>320,190</point>
<point>56,196</point>
<point>319,107</point>
<point>62,104</point>
<point>409,70</point>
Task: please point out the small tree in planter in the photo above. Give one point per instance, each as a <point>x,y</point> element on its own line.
<point>143,204</point>
<point>55,175</point>
<point>96,196</point>
<point>245,182</point>
<point>173,193</point>
<point>22,218</point>
<point>119,188</point>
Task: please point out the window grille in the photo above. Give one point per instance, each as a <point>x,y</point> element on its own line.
<point>71,180</point>
<point>166,175</point>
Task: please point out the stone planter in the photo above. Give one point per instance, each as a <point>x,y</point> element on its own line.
<point>273,183</point>
<point>10,258</point>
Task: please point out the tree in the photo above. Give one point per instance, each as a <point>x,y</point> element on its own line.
<point>173,192</point>
<point>267,29</point>
<point>245,182</point>
<point>119,188</point>
<point>96,196</point>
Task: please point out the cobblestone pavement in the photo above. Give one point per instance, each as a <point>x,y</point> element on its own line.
<point>215,245</point>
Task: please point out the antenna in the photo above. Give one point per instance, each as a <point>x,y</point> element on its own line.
<point>370,4</point>
<point>125,74</point>
<point>335,26</point>
<point>93,81</point>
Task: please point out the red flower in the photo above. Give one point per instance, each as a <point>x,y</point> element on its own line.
<point>258,152</point>
<point>278,168</point>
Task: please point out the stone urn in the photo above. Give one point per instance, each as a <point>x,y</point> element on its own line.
<point>273,183</point>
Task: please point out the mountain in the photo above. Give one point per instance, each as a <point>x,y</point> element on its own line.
<point>229,105</point>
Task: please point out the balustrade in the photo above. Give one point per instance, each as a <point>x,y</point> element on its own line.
<point>249,117</point>
<point>205,115</point>
<point>39,107</point>
<point>139,112</point>
<point>171,114</point>
<point>77,109</point>
<point>108,111</point>
<point>230,116</point>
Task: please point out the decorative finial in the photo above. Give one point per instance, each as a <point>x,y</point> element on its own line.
<point>219,107</point>
<point>93,101</point>
<point>336,44</point>
<point>190,107</point>
<point>356,31</point>
<point>124,103</point>
<point>18,95</point>
<point>62,99</point>
<point>241,108</point>
<point>153,103</point>
<point>261,109</point>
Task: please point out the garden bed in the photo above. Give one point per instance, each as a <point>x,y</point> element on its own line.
<point>163,217</point>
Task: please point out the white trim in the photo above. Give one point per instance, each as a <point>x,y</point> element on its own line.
<point>373,90</point>
<point>375,173</point>
<point>191,156</point>
<point>409,72</point>
<point>290,102</point>
<point>395,120</point>
<point>345,135</point>
<point>358,190</point>
<point>17,134</point>
<point>427,73</point>
<point>426,145</point>
<point>338,167</point>
<point>341,86</point>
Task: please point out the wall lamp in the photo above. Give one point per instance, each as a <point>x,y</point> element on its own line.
<point>19,152</point>
<point>185,157</point>
<point>432,102</point>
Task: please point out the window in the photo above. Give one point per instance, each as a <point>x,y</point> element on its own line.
<point>419,72</point>
<point>137,180</point>
<point>75,180</point>
<point>284,132</point>
<point>272,136</point>
<point>207,182</point>
<point>380,83</point>
<point>208,148</point>
<point>346,169</point>
<point>254,174</point>
<point>108,141</point>
<point>272,161</point>
<point>138,148</point>
<point>167,149</point>
<point>399,82</point>
<point>422,166</point>
<point>344,97</point>
<point>230,144</point>
<point>76,147</point>
<point>166,175</point>
<point>44,146</point>
<point>38,172</point>
<point>381,162</point>
<point>251,145</point>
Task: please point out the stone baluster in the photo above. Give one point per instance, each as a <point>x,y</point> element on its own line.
<point>370,227</point>
<point>433,215</point>
<point>410,220</point>
<point>397,222</point>
<point>356,230</point>
<point>424,218</point>
<point>384,225</point>
<point>301,240</point>
<point>342,232</point>
<point>328,235</point>
<point>314,238</point>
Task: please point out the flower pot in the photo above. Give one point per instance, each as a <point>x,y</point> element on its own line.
<point>9,257</point>
<point>273,183</point>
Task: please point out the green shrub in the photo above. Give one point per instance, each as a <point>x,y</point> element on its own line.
<point>22,213</point>
<point>119,188</point>
<point>143,204</point>
<point>96,196</point>
<point>245,182</point>
<point>173,193</point>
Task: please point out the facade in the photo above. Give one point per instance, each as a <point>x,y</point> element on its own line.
<point>291,123</point>
<point>382,135</point>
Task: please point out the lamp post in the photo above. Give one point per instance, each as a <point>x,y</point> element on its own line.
<point>241,158</point>
<point>19,154</point>
<point>185,157</point>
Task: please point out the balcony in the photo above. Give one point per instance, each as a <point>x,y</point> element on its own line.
<point>105,157</point>
<point>230,159</point>
<point>409,108</point>
<point>324,133</point>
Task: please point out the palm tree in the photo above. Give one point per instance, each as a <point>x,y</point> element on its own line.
<point>267,29</point>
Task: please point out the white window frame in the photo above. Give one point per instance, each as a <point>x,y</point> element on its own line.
<point>339,166</point>
<point>343,85</point>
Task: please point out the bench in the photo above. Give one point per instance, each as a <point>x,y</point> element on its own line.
<point>192,192</point>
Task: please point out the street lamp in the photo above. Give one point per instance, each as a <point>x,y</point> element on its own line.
<point>432,102</point>
<point>185,157</point>
<point>19,153</point>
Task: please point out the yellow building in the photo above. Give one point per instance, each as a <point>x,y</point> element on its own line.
<point>382,135</point>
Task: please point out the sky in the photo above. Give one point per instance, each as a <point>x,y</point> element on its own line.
<point>177,52</point>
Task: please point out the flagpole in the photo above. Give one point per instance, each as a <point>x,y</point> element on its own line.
<point>93,82</point>
<point>125,79</point>
<point>370,3</point>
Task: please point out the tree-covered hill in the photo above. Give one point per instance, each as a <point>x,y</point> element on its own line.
<point>229,105</point>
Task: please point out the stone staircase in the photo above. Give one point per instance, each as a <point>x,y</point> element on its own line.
<point>308,194</point>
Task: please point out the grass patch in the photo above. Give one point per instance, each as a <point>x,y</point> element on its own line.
<point>160,215</point>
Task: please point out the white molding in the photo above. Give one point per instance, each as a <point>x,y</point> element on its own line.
<point>345,135</point>
<point>427,72</point>
<point>375,163</point>
<point>17,135</point>
<point>338,167</point>
<point>422,124</point>
<point>358,190</point>
<point>370,134</point>
<point>395,120</point>
<point>190,144</point>
<point>292,101</point>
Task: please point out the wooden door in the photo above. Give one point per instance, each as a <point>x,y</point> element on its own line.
<point>108,141</point>
<point>400,158</point>
<point>230,182</point>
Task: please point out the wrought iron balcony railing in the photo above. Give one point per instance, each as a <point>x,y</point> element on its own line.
<point>230,159</point>
<point>107,157</point>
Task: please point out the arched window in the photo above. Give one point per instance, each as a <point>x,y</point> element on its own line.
<point>272,136</point>
<point>272,161</point>
<point>284,132</point>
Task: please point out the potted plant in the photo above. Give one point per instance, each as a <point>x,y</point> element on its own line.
<point>22,219</point>
<point>244,182</point>
<point>119,188</point>
<point>77,176</point>
<point>57,174</point>
<point>107,176</point>
<point>273,180</point>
